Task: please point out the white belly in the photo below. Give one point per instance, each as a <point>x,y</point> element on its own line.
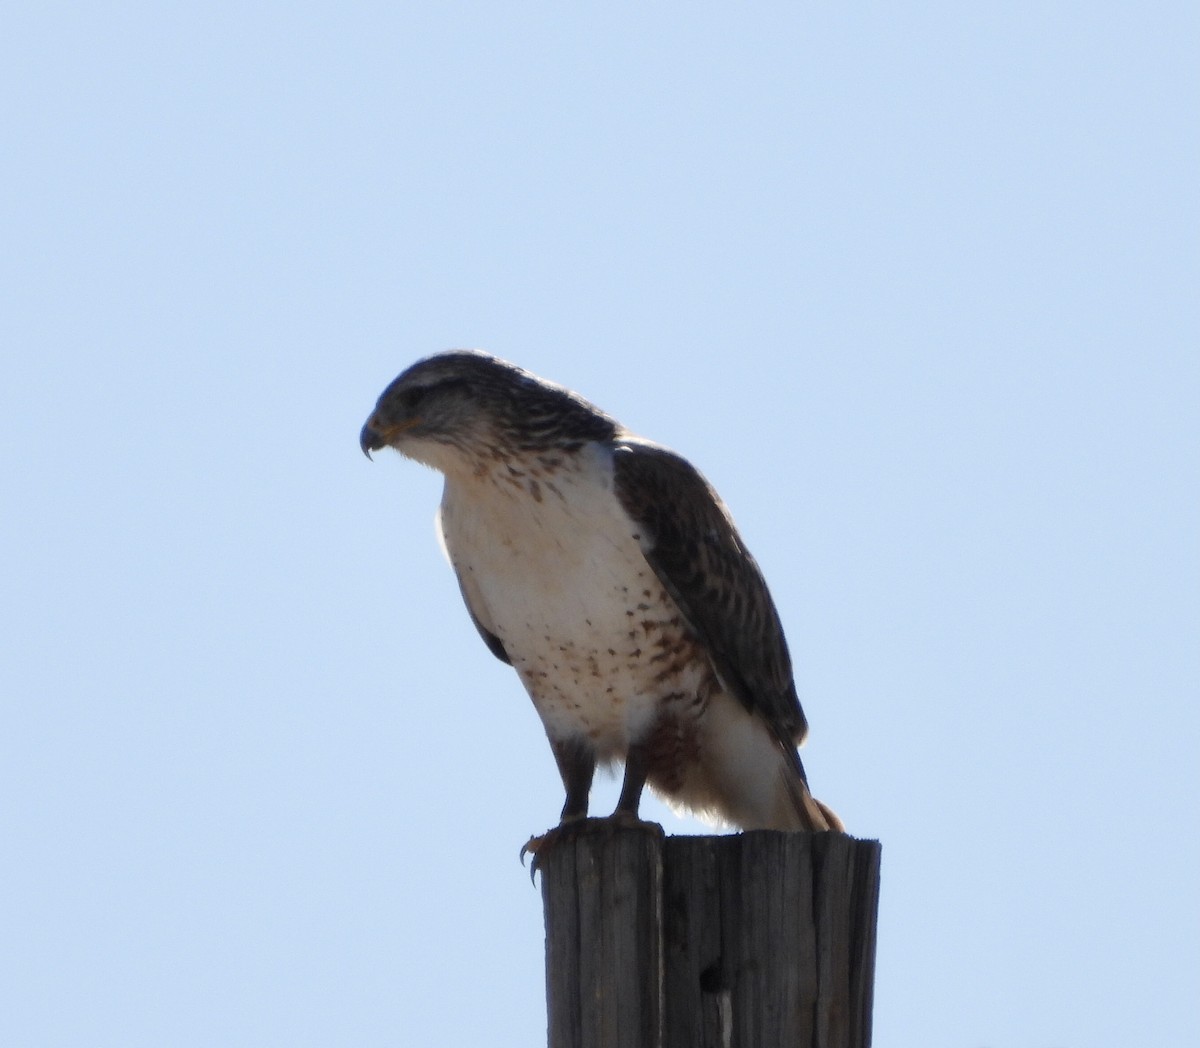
<point>560,579</point>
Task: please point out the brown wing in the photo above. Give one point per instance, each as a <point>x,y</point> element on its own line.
<point>689,539</point>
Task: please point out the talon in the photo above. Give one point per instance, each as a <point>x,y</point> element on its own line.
<point>539,843</point>
<point>531,848</point>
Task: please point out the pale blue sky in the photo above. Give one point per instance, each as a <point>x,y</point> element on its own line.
<point>915,285</point>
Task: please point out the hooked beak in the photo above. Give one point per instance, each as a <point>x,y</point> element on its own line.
<point>370,439</point>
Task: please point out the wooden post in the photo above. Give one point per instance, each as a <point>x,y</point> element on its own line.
<point>602,895</point>
<point>759,939</point>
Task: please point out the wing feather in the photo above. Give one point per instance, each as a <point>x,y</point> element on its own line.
<point>689,539</point>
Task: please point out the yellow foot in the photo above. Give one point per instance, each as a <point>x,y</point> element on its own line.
<point>538,846</point>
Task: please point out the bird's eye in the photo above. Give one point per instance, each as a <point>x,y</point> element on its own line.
<point>410,398</point>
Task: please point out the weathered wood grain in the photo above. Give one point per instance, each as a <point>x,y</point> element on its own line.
<point>602,897</point>
<point>758,939</point>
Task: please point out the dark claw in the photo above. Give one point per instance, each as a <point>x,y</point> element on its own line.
<point>543,842</point>
<point>530,847</point>
<point>537,846</point>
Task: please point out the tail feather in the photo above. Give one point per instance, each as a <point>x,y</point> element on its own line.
<point>810,813</point>
<point>738,771</point>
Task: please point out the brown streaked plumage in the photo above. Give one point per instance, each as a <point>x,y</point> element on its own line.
<point>609,574</point>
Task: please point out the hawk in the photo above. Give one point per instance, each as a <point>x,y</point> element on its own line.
<point>608,573</point>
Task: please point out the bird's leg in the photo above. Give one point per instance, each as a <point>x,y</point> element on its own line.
<point>632,786</point>
<point>577,766</point>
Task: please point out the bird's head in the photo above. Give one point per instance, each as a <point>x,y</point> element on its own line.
<point>464,408</point>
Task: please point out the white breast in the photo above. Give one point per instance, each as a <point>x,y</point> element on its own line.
<point>550,563</point>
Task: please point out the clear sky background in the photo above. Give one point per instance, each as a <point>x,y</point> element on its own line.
<point>915,286</point>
